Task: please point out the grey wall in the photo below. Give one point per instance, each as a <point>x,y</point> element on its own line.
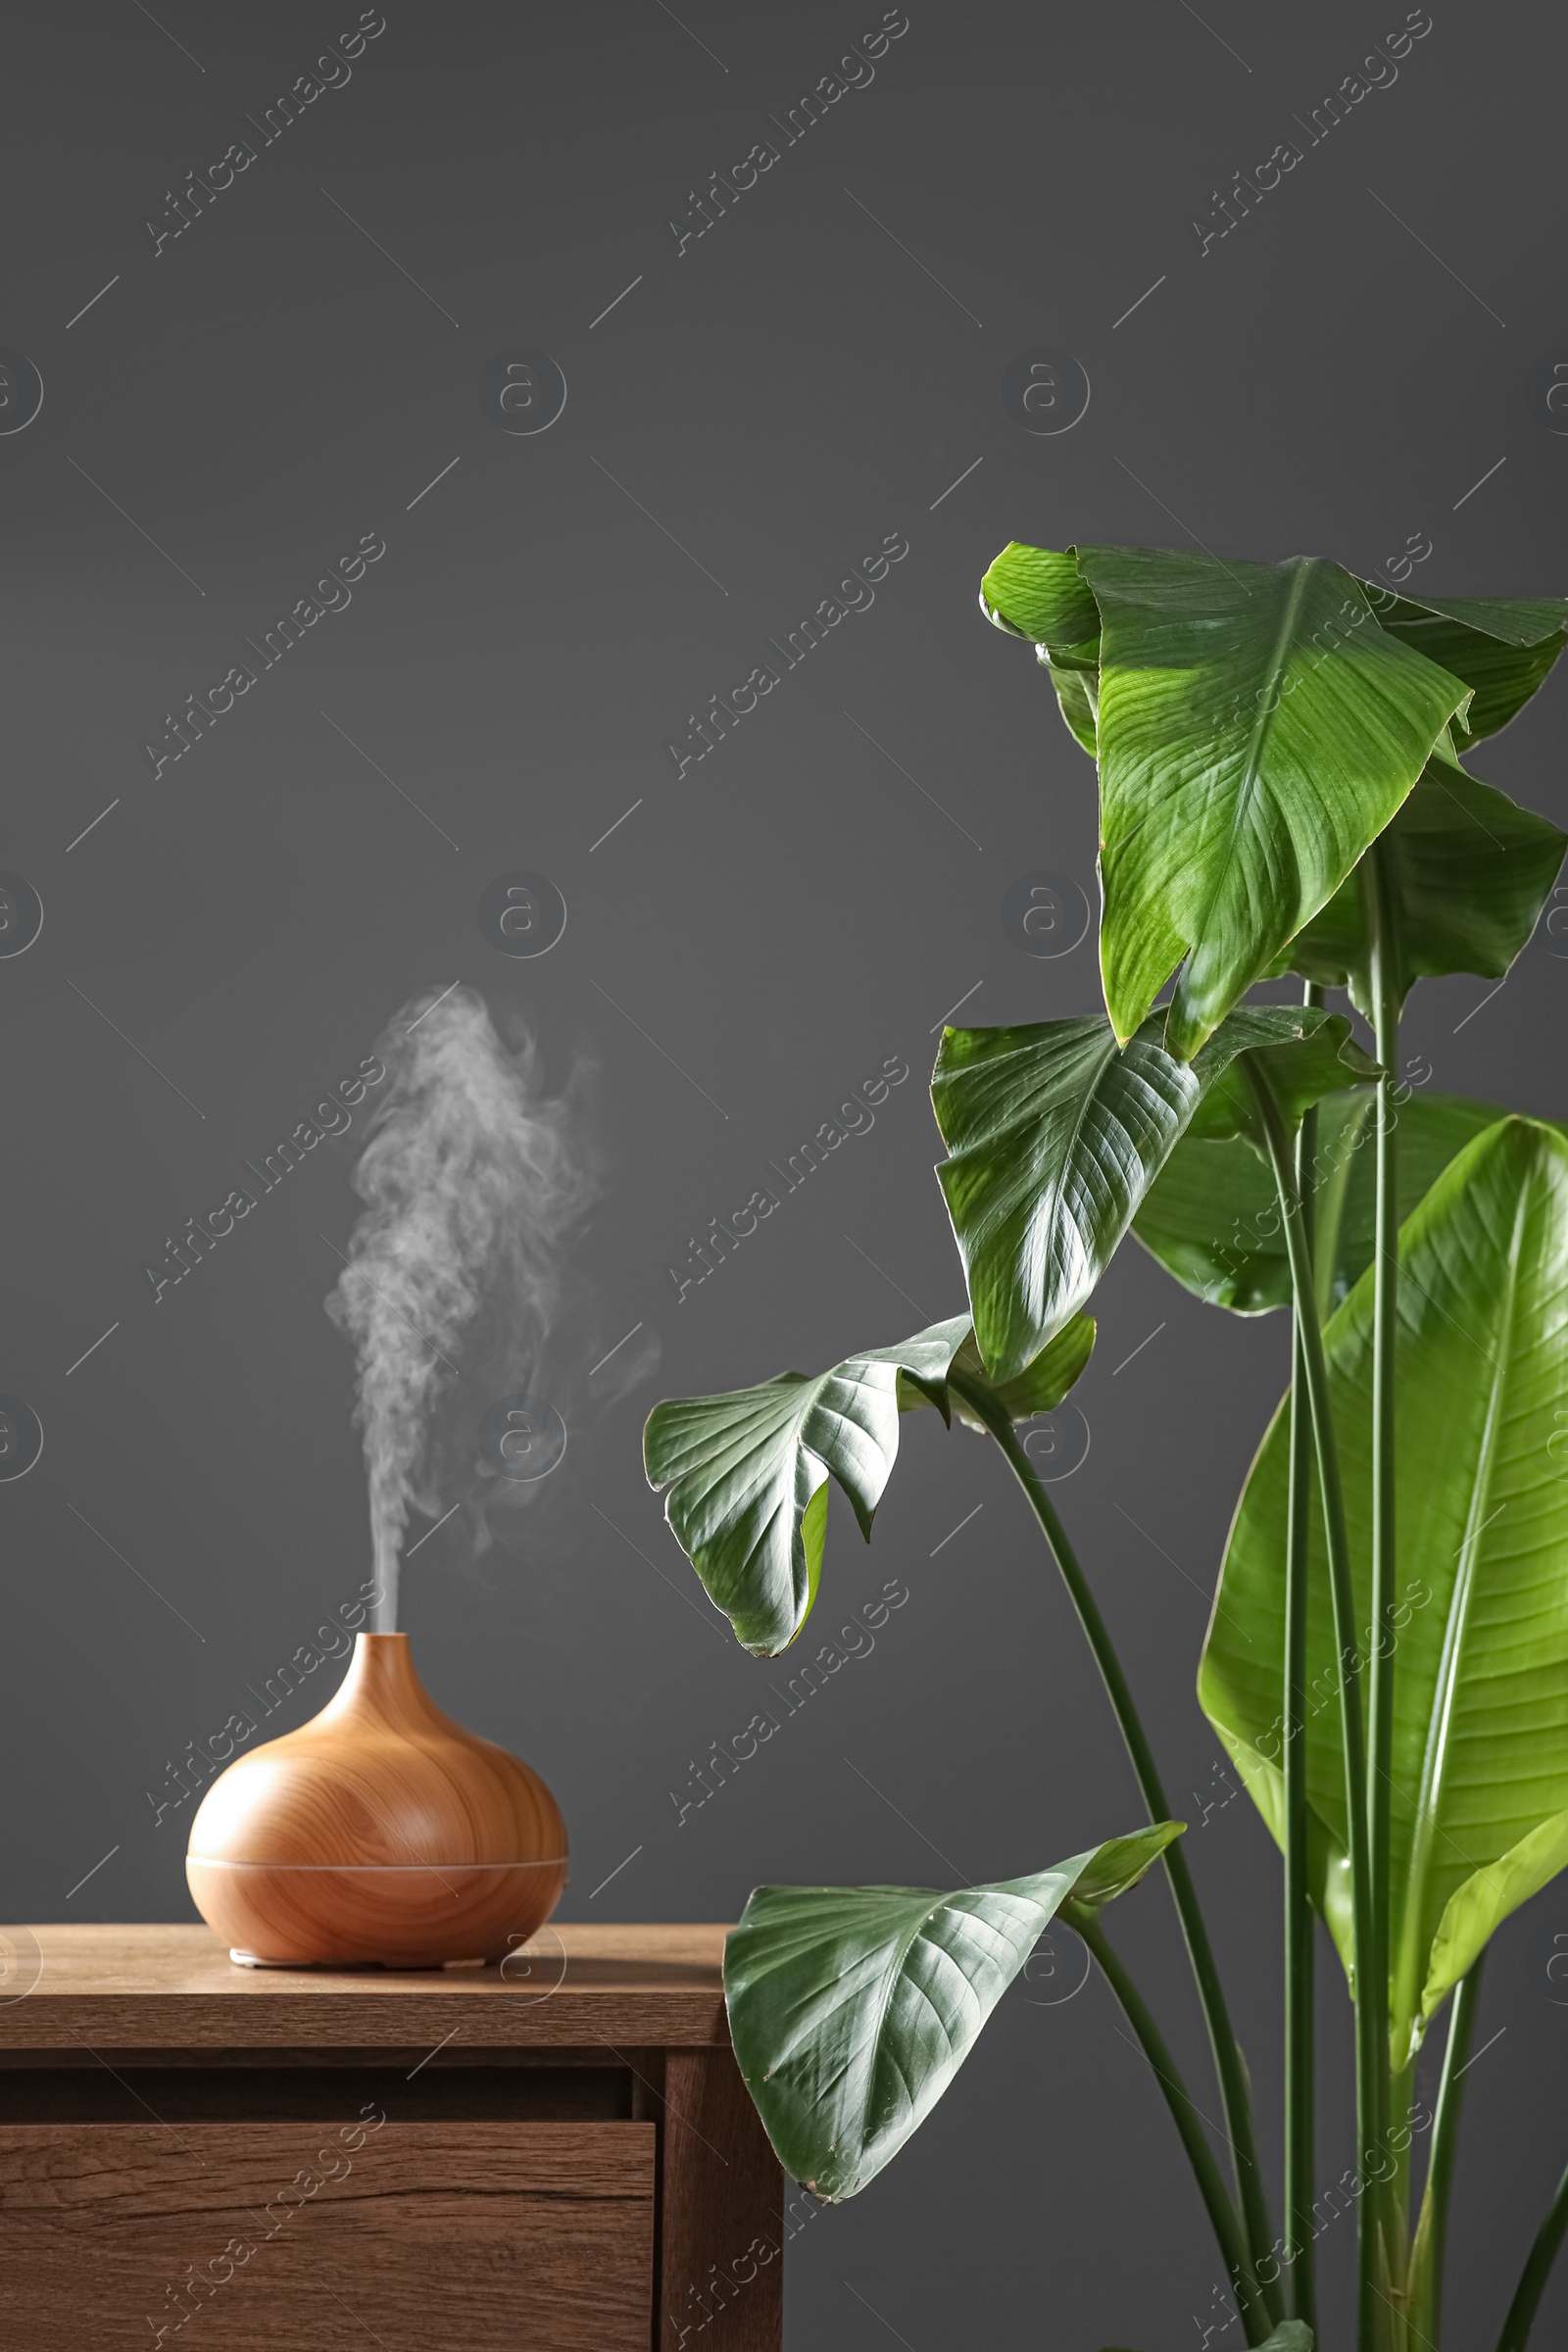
<point>823,367</point>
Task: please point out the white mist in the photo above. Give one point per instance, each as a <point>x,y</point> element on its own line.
<point>469,1179</point>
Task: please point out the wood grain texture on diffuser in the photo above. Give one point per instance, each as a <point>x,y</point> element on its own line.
<point>381,1830</point>
<point>381,1778</point>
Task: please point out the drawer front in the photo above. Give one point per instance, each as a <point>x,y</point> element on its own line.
<point>304,2237</point>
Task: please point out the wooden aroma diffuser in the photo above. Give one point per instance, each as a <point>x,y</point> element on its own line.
<point>379,1831</point>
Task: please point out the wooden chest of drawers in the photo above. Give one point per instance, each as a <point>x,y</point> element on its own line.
<point>560,2160</point>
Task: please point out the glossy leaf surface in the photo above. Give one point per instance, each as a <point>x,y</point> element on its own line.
<point>1502,646</point>
<point>1256,731</point>
<point>1467,871</point>
<point>748,1472</point>
<point>852,2008</point>
<point>1479,1798</point>
<point>1212,1220</point>
<point>1055,1134</point>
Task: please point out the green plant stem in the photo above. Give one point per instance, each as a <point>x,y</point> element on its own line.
<point>1187,2119</point>
<point>1537,2270</point>
<point>1299,1923</point>
<point>1432,2231</point>
<point>1228,2062</point>
<point>1381,936</point>
<point>1394,2187</point>
<point>1371,2042</point>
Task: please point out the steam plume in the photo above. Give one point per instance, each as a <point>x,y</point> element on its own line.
<point>472,1178</point>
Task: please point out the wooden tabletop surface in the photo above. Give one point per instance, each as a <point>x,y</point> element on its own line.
<point>87,1988</point>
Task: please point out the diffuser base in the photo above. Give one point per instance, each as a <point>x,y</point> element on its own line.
<point>242,1959</point>
<point>409,1915</point>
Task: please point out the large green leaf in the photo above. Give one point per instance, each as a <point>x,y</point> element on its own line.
<point>1501,647</point>
<point>1479,1796</point>
<point>1055,1133</point>
<point>748,1472</point>
<point>1212,1219</point>
<point>1256,730</point>
<point>852,2008</point>
<point>1467,872</point>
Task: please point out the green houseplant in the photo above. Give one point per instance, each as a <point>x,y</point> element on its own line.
<point>1283,789</point>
